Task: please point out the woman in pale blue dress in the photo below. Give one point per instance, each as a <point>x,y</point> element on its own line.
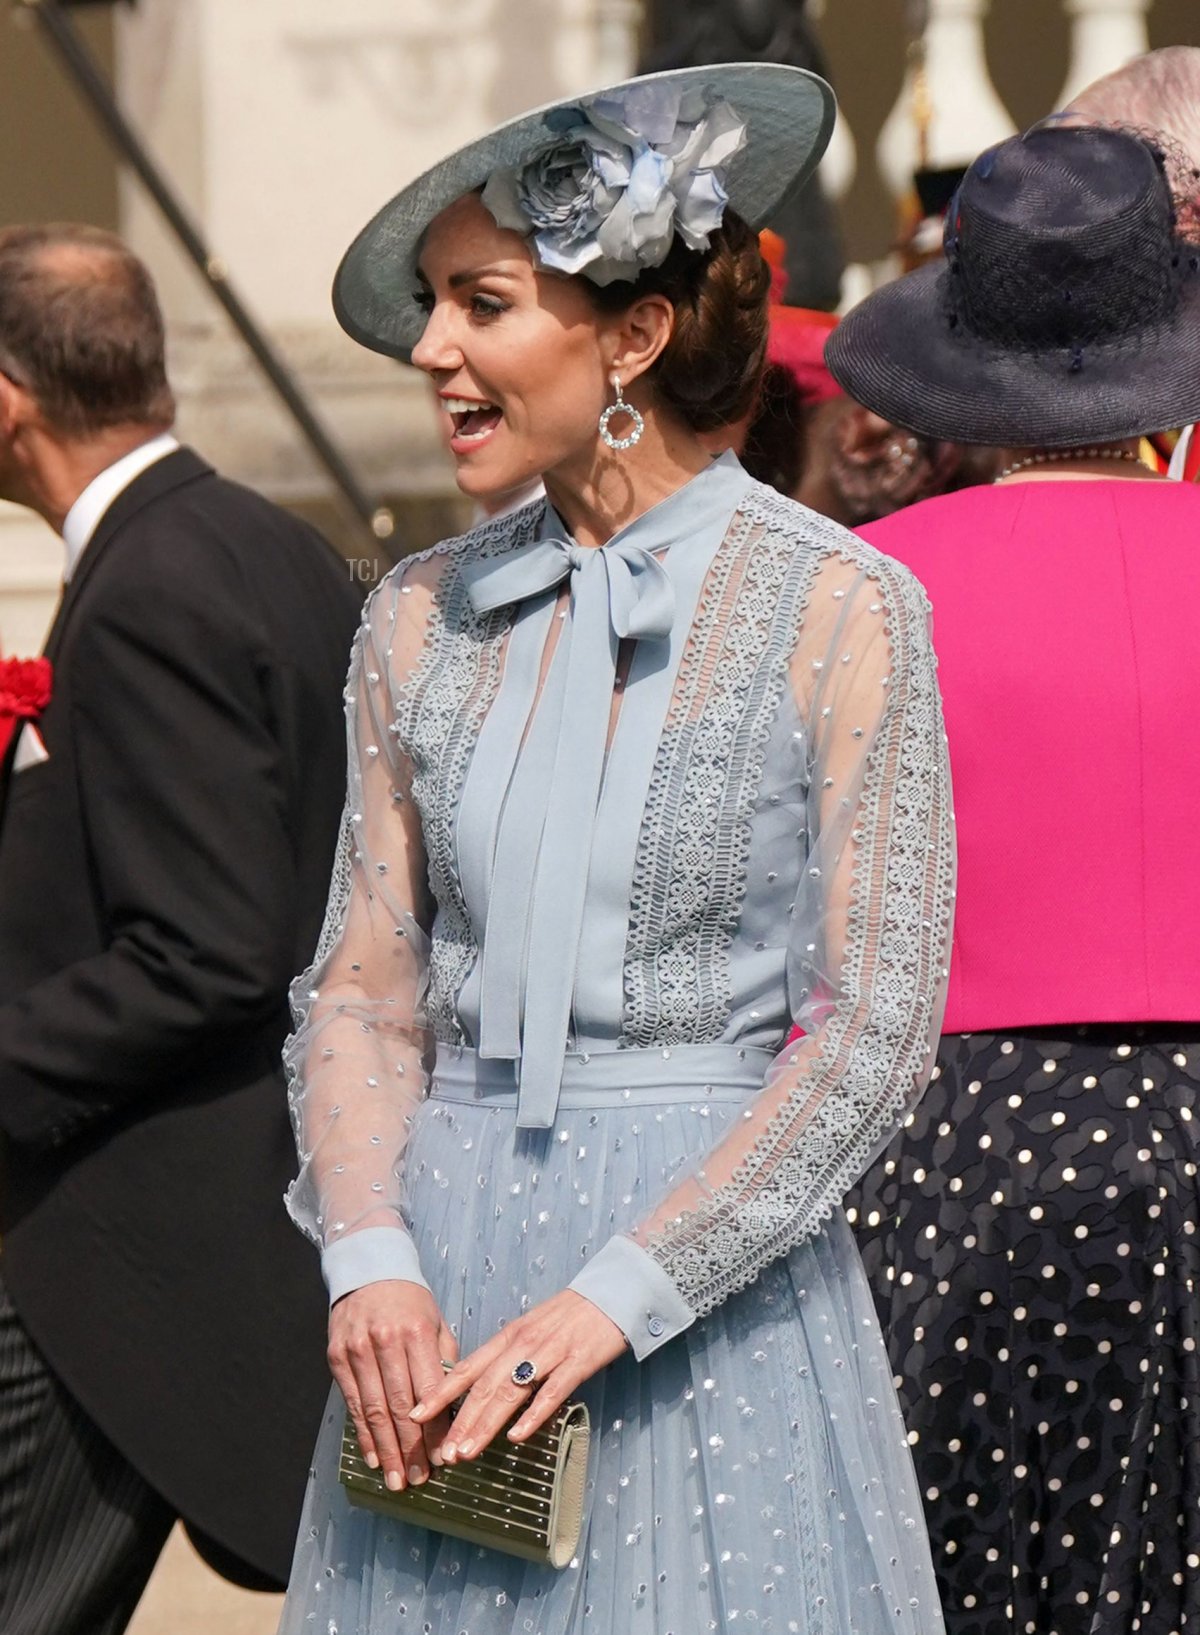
<point>639,775</point>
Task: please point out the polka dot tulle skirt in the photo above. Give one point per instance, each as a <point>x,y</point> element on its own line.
<point>750,1475</point>
<point>1031,1238</point>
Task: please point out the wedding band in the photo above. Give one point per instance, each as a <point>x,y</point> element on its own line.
<point>524,1373</point>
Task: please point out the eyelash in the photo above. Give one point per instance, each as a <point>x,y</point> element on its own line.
<point>483,307</point>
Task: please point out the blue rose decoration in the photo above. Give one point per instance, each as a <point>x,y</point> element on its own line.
<point>623,176</point>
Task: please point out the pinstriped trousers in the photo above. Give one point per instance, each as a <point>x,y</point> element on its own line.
<point>80,1531</point>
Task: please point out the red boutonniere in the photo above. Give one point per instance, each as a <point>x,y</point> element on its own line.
<point>24,693</point>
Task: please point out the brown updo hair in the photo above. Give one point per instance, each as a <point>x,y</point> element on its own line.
<point>710,370</point>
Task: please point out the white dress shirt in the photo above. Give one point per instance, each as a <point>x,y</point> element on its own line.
<point>81,520</point>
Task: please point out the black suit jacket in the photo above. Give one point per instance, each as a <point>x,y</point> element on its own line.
<point>162,877</point>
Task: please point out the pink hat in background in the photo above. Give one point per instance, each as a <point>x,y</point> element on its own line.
<point>798,334</point>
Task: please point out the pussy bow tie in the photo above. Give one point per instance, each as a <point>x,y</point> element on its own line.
<point>540,870</point>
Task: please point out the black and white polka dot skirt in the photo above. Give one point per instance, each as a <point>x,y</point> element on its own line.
<point>1033,1240</point>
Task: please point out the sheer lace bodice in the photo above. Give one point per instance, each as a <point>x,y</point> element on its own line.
<point>757,833</point>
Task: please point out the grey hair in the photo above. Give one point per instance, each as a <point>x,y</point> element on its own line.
<point>1158,92</point>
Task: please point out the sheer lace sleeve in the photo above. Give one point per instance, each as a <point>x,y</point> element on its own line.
<point>355,1061</point>
<point>867,960</point>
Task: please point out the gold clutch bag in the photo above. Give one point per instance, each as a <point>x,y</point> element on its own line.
<point>525,1498</point>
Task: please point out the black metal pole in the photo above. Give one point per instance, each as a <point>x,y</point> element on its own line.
<point>78,61</point>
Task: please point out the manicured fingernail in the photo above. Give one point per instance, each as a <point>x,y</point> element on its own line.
<point>466,1449</point>
<point>416,1475</point>
<point>436,1458</point>
<point>372,1460</point>
<point>395,1481</point>
<point>419,1412</point>
<point>449,1452</point>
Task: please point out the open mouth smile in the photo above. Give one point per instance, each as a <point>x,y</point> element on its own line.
<point>474,419</point>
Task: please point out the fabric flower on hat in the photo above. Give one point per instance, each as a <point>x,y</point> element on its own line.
<point>621,178</point>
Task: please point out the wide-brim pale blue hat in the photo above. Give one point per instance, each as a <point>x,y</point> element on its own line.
<point>787,114</point>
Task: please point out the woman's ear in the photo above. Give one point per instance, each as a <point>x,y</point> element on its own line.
<point>638,335</point>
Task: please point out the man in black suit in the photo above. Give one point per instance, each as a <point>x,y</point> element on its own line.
<point>166,835</point>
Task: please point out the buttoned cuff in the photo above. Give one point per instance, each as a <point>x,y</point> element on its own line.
<point>631,1288</point>
<point>375,1255</point>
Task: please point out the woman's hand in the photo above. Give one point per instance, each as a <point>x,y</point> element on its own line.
<point>386,1346</point>
<point>567,1339</point>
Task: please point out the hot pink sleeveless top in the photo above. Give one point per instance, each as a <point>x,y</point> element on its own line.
<point>1066,617</point>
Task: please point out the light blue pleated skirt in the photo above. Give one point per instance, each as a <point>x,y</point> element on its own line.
<point>752,1474</point>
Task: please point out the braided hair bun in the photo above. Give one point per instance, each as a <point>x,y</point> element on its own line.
<point>710,370</point>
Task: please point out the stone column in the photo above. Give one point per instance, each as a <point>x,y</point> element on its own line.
<point>1105,34</point>
<point>967,114</point>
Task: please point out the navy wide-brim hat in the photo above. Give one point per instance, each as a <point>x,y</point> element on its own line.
<point>788,114</point>
<point>1066,313</point>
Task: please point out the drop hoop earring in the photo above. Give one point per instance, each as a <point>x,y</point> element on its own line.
<point>621,407</point>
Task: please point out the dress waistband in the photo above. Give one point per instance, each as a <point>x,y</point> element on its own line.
<point>608,1078</point>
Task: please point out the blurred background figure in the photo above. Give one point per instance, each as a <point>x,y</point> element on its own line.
<point>167,824</point>
<point>816,445</point>
<point>924,221</point>
<point>1033,1234</point>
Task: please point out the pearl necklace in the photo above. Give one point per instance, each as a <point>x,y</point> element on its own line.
<point>1068,454</point>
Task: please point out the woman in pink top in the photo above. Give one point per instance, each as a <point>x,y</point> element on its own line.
<point>1033,1233</point>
